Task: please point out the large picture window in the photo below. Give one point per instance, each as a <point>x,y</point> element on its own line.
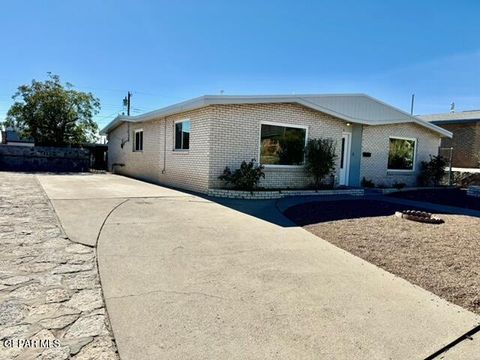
<point>282,145</point>
<point>401,154</point>
<point>182,135</point>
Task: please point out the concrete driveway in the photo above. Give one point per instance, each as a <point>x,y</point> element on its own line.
<point>187,278</point>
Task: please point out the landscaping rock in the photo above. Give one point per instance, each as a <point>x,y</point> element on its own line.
<point>59,322</point>
<point>16,280</point>
<point>72,268</point>
<point>78,249</point>
<point>50,280</point>
<point>75,345</point>
<point>12,312</point>
<point>57,295</point>
<point>43,335</point>
<point>60,353</point>
<point>102,348</point>
<point>88,326</point>
<point>82,280</point>
<point>86,300</point>
<point>28,292</point>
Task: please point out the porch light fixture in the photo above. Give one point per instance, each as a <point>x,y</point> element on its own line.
<point>348,124</point>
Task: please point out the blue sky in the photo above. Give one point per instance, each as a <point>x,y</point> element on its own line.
<point>168,51</point>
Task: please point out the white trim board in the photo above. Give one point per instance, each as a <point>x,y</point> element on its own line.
<point>337,105</point>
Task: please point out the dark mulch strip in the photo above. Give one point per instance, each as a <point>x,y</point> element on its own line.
<point>450,197</point>
<point>322,211</point>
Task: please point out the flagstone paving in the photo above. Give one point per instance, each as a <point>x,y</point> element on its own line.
<point>49,286</point>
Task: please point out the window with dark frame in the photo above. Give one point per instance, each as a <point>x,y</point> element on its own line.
<point>401,154</point>
<point>182,135</point>
<point>138,142</point>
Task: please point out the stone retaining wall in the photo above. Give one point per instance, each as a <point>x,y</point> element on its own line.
<point>261,195</point>
<point>473,191</point>
<point>42,158</point>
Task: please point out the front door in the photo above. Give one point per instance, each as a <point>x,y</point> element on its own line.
<point>345,159</point>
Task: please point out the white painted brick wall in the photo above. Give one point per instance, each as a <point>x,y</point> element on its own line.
<point>375,140</point>
<point>225,135</point>
<point>183,169</point>
<point>143,165</point>
<point>236,137</point>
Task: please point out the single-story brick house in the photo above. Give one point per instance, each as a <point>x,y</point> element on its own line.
<point>465,127</point>
<point>188,145</point>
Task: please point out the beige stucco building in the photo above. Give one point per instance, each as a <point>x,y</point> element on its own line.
<point>188,145</point>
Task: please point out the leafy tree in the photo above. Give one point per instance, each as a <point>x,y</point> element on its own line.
<point>320,159</point>
<point>54,114</point>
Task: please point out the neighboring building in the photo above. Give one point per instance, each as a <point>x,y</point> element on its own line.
<point>465,127</point>
<point>188,145</point>
<point>11,137</point>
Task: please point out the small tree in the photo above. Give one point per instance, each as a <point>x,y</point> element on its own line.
<point>245,178</point>
<point>54,114</point>
<point>433,171</point>
<point>320,159</point>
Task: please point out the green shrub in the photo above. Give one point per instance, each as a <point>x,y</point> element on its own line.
<point>367,183</point>
<point>319,159</point>
<point>399,185</point>
<point>432,172</point>
<point>245,178</point>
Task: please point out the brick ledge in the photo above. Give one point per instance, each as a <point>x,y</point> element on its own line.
<point>263,195</point>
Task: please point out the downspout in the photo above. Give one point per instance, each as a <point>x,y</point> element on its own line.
<point>164,146</point>
<point>128,135</point>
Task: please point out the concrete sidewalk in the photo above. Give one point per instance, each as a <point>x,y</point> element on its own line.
<point>184,277</point>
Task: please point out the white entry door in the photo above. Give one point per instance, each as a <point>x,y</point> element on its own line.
<point>345,158</point>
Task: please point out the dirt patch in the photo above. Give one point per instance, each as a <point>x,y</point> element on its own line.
<point>444,259</point>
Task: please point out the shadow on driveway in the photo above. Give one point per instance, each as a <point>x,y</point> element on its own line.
<point>262,209</point>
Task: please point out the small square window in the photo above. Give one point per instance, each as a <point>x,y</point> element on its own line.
<point>138,140</point>
<point>182,135</point>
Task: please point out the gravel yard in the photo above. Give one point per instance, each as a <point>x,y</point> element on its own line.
<point>49,286</point>
<point>444,259</point>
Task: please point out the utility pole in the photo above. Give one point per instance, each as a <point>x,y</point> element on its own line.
<point>126,102</point>
<point>411,106</point>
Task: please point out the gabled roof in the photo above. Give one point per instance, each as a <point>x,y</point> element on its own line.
<point>355,108</point>
<point>453,117</point>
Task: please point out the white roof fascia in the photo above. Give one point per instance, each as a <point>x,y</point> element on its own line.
<point>206,100</point>
<point>415,119</point>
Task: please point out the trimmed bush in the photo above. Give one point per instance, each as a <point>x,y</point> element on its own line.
<point>399,185</point>
<point>245,178</point>
<point>367,183</point>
